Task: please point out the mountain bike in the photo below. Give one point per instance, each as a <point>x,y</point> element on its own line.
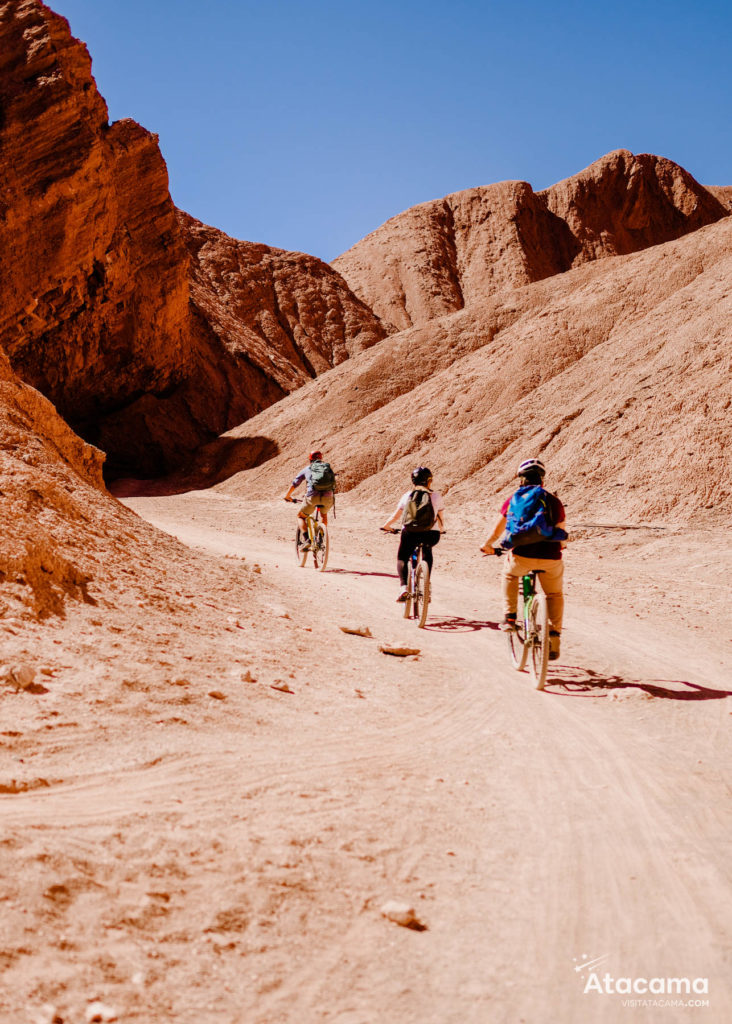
<point>529,640</point>
<point>316,542</point>
<point>418,586</point>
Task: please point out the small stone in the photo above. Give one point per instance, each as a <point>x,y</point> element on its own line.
<point>217,694</point>
<point>248,677</point>
<point>402,914</point>
<point>99,1013</point>
<point>399,652</point>
<point>19,675</point>
<point>282,687</point>
<point>356,630</point>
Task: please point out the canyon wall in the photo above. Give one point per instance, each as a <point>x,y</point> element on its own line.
<point>109,303</point>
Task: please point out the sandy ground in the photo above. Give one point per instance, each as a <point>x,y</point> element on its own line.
<point>206,799</point>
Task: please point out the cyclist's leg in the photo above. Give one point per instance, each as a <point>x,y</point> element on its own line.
<point>326,504</point>
<point>306,509</point>
<point>428,539</point>
<point>512,573</point>
<point>407,544</point>
<point>551,580</point>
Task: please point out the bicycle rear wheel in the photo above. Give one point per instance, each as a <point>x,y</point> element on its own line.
<point>300,555</point>
<point>517,641</point>
<point>421,594</point>
<point>320,547</point>
<point>539,640</point>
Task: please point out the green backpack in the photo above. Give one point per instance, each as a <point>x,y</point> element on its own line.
<point>322,477</point>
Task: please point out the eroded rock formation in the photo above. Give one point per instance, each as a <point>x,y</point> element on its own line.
<point>442,256</point>
<point>111,306</point>
<point>94,294</point>
<point>616,372</point>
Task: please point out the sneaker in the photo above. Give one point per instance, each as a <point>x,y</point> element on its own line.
<point>404,595</point>
<point>509,624</point>
<point>553,644</point>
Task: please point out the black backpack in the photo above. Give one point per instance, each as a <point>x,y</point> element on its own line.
<point>419,512</point>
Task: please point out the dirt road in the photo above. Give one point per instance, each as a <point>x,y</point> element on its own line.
<point>232,865</point>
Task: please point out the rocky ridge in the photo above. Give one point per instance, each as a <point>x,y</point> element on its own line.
<point>445,255</point>
<point>616,372</point>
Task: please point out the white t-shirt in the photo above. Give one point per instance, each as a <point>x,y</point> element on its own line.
<point>435,498</point>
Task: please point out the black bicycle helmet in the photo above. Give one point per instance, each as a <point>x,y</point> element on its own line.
<point>531,467</point>
<point>421,475</point>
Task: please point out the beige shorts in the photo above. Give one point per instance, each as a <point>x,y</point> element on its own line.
<point>312,501</point>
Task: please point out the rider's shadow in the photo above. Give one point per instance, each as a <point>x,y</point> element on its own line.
<point>586,682</point>
<point>457,624</point>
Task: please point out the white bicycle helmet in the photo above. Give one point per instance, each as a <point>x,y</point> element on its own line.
<point>531,464</point>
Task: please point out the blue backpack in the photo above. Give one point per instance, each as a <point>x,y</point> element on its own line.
<point>529,518</point>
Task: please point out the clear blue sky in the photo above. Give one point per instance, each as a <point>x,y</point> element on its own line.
<point>306,124</point>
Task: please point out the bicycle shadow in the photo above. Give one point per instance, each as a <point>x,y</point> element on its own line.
<point>359,572</point>
<point>457,624</point>
<point>585,682</point>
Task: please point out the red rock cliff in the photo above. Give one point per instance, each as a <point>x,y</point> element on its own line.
<point>94,283</point>
<point>149,335</point>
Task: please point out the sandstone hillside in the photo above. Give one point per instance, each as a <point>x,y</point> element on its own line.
<point>616,372</point>
<point>448,254</point>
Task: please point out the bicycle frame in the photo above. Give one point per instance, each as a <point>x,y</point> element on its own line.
<point>418,584</point>
<point>529,639</point>
<point>527,591</point>
<point>317,535</point>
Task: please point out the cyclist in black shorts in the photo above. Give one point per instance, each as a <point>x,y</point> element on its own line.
<point>421,513</point>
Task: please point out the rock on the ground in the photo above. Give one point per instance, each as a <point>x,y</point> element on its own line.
<point>400,913</point>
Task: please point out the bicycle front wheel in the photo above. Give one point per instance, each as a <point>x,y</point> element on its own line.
<point>539,639</point>
<point>320,547</point>
<point>517,647</point>
<point>421,594</point>
<point>300,555</point>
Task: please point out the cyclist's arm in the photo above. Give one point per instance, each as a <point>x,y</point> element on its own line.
<point>295,484</point>
<point>563,526</point>
<point>497,531</point>
<point>395,517</point>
